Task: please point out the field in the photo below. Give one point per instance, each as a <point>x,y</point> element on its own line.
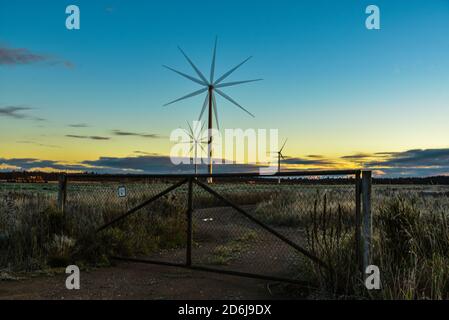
<point>411,238</point>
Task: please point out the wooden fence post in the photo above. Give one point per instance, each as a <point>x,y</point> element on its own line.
<point>62,191</point>
<point>367,218</point>
<point>358,222</point>
<point>189,223</point>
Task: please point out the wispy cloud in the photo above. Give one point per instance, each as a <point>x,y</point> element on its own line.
<point>23,56</point>
<point>310,161</point>
<point>17,112</point>
<point>39,144</point>
<point>87,137</point>
<point>142,135</point>
<point>358,156</point>
<point>37,164</point>
<point>146,153</point>
<point>78,125</point>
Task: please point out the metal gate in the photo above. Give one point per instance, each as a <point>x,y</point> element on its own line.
<point>241,224</point>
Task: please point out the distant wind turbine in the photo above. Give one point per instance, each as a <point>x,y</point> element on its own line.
<point>210,87</point>
<point>195,140</point>
<point>280,156</point>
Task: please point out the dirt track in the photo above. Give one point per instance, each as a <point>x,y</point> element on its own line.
<point>223,239</point>
<point>141,281</point>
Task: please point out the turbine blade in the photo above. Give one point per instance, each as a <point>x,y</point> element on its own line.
<point>282,148</point>
<point>191,131</point>
<point>190,95</point>
<point>198,72</point>
<point>282,156</point>
<point>186,76</point>
<point>204,123</point>
<point>224,95</point>
<point>227,74</point>
<point>204,107</point>
<point>214,103</point>
<point>212,68</point>
<point>229,84</point>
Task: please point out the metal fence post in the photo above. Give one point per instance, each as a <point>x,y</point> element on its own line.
<point>62,191</point>
<point>367,218</point>
<point>358,222</point>
<point>189,224</point>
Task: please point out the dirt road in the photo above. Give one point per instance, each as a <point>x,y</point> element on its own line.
<point>142,281</point>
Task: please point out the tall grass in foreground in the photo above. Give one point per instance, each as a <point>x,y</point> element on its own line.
<point>35,235</point>
<point>410,243</point>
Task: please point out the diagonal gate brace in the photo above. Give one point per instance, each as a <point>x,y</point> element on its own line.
<point>143,204</point>
<point>263,225</point>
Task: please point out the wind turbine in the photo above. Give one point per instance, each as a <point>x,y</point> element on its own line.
<point>210,87</point>
<point>280,156</point>
<point>195,140</point>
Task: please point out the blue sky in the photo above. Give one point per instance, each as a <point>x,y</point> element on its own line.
<point>330,85</point>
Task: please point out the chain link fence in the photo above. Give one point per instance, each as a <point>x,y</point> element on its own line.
<point>243,224</point>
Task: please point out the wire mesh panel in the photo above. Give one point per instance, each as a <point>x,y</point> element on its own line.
<point>244,224</point>
<point>227,239</point>
<point>157,230</point>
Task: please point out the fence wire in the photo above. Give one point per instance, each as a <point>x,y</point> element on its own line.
<point>222,237</point>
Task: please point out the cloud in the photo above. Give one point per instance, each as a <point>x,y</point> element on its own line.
<point>36,164</point>
<point>415,158</point>
<point>160,164</point>
<point>10,56</point>
<point>23,56</point>
<point>358,156</point>
<point>78,125</point>
<point>87,137</point>
<point>415,162</point>
<point>142,135</point>
<point>16,112</point>
<point>411,163</point>
<point>146,153</point>
<point>139,164</point>
<point>310,161</point>
<point>39,144</point>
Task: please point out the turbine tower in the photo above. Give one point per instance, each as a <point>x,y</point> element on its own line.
<point>210,87</point>
<point>195,140</point>
<point>280,156</point>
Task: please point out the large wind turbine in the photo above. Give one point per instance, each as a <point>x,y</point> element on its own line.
<point>210,87</point>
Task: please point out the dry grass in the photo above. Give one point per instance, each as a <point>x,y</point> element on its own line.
<point>411,242</point>
<point>411,235</point>
<point>35,235</point>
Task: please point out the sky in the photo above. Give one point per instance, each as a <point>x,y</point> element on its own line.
<point>343,95</point>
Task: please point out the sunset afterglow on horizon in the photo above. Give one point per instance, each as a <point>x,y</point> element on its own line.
<point>344,96</point>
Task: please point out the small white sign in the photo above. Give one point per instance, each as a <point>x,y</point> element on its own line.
<point>121,191</point>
